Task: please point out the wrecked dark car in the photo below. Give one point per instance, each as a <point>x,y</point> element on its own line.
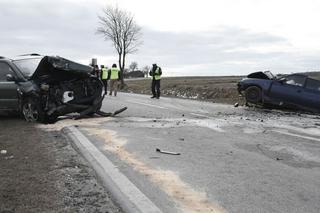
<point>42,88</point>
<point>295,91</point>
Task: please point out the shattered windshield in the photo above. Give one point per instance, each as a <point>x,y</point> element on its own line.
<point>27,66</point>
<point>269,74</point>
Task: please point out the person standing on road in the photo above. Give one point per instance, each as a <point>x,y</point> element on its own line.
<point>104,77</point>
<point>114,78</point>
<point>96,70</point>
<point>156,73</point>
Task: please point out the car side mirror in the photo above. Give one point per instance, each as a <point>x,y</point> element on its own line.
<point>10,77</point>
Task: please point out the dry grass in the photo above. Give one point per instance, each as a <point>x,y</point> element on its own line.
<point>215,89</point>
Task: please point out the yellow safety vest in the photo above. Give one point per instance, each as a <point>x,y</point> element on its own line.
<point>114,73</point>
<point>104,73</point>
<point>157,75</point>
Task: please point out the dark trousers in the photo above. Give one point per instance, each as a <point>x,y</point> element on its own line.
<point>105,84</point>
<point>155,88</point>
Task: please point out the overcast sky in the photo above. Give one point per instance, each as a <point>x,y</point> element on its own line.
<point>194,37</point>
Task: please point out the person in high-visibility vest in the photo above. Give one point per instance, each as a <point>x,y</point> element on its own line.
<point>114,78</point>
<point>104,77</point>
<point>156,73</point>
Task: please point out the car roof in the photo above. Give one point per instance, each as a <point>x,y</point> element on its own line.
<point>22,57</point>
<point>4,58</point>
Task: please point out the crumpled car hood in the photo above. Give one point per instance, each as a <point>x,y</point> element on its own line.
<point>260,75</point>
<point>60,68</point>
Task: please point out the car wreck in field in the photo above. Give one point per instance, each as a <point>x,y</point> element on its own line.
<point>42,88</point>
<point>296,91</point>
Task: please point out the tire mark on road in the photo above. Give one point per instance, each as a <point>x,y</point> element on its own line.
<point>188,199</point>
<point>145,104</point>
<point>199,115</point>
<point>296,135</point>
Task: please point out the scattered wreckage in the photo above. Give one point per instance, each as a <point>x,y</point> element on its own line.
<point>295,91</point>
<point>42,88</point>
<point>167,152</point>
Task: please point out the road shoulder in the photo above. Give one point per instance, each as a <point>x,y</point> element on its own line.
<point>41,172</point>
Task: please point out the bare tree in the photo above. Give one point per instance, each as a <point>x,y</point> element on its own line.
<point>146,70</point>
<point>133,66</point>
<point>119,27</point>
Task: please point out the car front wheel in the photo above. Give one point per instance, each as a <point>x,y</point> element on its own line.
<point>31,110</point>
<point>253,94</point>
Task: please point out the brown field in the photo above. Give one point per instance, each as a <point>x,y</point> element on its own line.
<point>222,89</point>
<point>218,89</point>
<point>315,75</point>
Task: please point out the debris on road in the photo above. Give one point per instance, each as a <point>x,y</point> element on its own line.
<point>167,152</point>
<point>259,119</point>
<point>10,157</point>
<point>236,104</point>
<point>229,153</point>
<point>109,114</point>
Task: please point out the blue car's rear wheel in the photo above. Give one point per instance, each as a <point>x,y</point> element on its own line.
<point>253,94</point>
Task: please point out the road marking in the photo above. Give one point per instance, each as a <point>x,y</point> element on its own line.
<point>145,104</point>
<point>199,115</point>
<point>296,135</point>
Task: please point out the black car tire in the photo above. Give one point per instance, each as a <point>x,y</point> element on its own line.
<point>253,94</point>
<point>31,110</point>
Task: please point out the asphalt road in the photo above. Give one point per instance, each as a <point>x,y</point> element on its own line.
<point>231,159</point>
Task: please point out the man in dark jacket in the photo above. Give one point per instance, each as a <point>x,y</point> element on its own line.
<point>155,73</point>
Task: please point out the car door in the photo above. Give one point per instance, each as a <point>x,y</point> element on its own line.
<point>8,89</point>
<point>312,94</point>
<point>289,90</point>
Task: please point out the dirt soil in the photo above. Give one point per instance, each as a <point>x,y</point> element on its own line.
<point>41,172</point>
<point>222,89</point>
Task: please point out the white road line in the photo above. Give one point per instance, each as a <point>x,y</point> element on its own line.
<point>145,104</point>
<point>199,115</point>
<point>296,135</point>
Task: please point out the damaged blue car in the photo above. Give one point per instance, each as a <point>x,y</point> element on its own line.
<point>295,91</point>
